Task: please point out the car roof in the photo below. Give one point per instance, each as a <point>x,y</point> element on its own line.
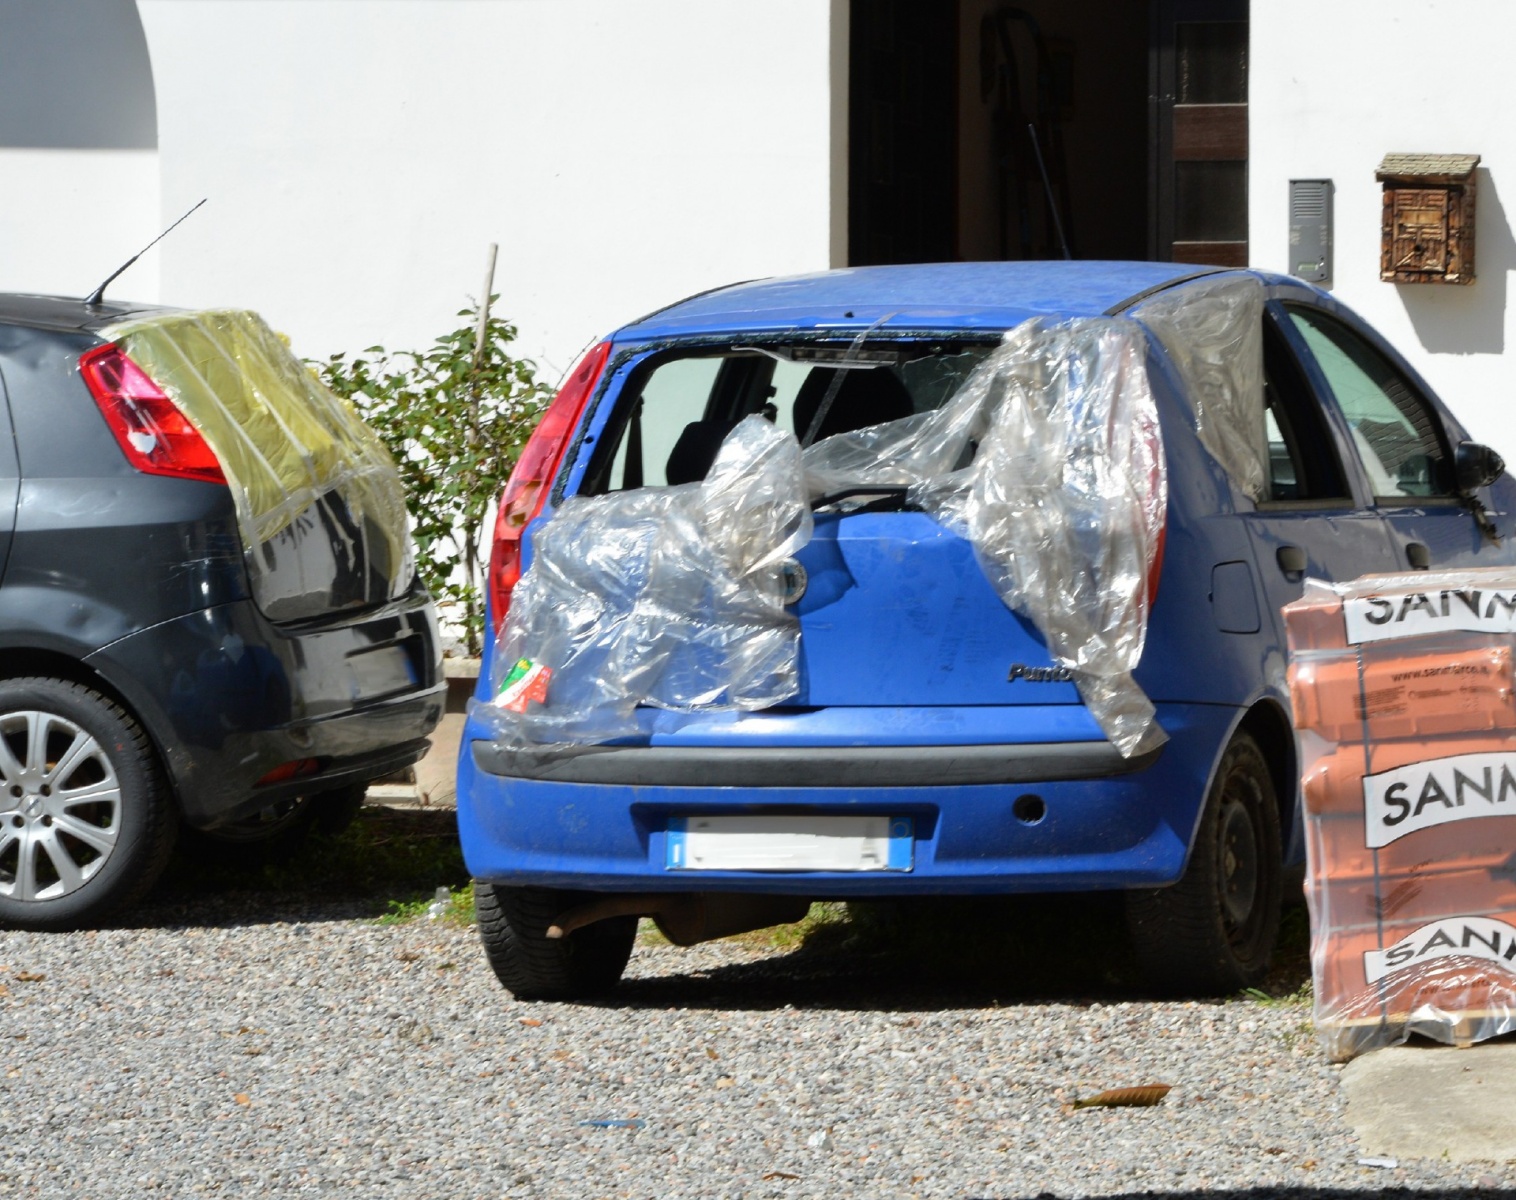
<point>947,296</point>
<point>64,313</point>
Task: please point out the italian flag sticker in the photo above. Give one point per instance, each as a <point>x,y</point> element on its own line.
<point>526,681</point>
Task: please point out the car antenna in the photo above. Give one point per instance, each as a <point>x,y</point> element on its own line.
<point>1047,186</point>
<point>99,293</point>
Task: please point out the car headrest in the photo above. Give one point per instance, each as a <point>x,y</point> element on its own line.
<point>866,397</point>
<point>695,451</point>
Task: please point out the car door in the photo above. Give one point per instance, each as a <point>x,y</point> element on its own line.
<point>1315,518</point>
<point>1401,440</point>
<point>10,478</point>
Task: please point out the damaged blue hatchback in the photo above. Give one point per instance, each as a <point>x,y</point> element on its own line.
<point>925,580</point>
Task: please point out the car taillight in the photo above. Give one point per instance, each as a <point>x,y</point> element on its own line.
<point>526,491</point>
<point>296,768</point>
<point>153,434</point>
<point>1157,485</point>
<point>1156,569</point>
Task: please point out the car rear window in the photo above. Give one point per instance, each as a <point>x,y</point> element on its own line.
<point>677,407</point>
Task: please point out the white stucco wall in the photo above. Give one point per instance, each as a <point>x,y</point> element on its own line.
<point>69,217</point>
<point>359,156</point>
<point>1333,88</point>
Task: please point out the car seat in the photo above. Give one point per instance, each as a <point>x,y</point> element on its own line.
<point>867,397</point>
<point>691,458</point>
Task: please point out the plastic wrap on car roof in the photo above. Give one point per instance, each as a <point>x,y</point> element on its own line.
<point>1212,330</point>
<point>284,441</point>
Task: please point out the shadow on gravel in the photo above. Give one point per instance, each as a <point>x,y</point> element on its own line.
<point>962,953</point>
<point>919,955</point>
<point>1291,1193</point>
<point>386,860</point>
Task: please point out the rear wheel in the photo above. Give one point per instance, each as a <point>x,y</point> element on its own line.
<point>86,824</point>
<point>1213,932</point>
<point>513,926</point>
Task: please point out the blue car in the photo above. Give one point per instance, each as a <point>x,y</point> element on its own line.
<point>940,579</point>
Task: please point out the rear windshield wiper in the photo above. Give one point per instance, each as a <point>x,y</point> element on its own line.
<point>887,497</point>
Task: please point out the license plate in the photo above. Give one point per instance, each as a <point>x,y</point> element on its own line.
<point>378,672</point>
<point>790,843</point>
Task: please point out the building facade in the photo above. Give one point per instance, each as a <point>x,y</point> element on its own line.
<point>359,155</point>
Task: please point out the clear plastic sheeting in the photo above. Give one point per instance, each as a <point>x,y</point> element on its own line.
<point>664,596</point>
<point>1049,460</point>
<point>1405,702</point>
<point>1063,499</point>
<point>318,497</point>
<point>1212,330</point>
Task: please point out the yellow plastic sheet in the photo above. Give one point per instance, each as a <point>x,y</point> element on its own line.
<point>284,440</point>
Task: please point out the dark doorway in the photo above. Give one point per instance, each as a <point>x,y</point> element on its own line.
<point>1061,156</point>
<point>981,129</point>
<point>903,131</point>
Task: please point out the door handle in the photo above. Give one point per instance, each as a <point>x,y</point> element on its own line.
<point>1292,561</point>
<point>1418,556</point>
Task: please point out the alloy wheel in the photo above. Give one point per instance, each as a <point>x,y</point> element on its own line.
<point>60,806</point>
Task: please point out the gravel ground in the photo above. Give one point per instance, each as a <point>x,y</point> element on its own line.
<point>245,1044</point>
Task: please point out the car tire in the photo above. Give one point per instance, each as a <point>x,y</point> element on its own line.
<point>513,925</point>
<point>86,820</point>
<point>277,833</point>
<point>1213,932</point>
<point>338,808</point>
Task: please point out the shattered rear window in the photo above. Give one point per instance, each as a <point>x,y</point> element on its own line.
<point>673,414</point>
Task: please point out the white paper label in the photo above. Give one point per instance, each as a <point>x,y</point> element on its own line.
<point>1469,937</point>
<point>1415,614</point>
<point>1436,792</point>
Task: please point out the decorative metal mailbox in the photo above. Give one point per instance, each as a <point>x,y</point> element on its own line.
<point>1427,235</point>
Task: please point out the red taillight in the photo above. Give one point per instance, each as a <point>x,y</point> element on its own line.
<point>154,435</point>
<point>1156,569</point>
<point>526,491</point>
<point>297,768</point>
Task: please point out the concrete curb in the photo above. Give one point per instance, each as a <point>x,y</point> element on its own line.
<point>1427,1101</point>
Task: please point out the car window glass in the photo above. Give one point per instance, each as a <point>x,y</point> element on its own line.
<point>1284,474</point>
<point>1303,462</point>
<point>1394,430</point>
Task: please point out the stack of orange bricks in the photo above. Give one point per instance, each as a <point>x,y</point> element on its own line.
<point>1405,703</point>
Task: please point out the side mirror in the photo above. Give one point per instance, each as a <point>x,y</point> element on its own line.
<point>1475,466</point>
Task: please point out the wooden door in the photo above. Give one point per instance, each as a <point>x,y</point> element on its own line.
<point>1199,113</point>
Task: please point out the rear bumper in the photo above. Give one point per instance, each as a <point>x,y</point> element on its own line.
<point>600,821</point>
<point>812,766</point>
<point>228,697</point>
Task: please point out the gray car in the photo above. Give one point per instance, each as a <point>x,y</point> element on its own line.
<point>209,612</point>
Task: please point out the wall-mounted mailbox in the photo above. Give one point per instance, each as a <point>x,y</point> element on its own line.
<point>1427,234</point>
<point>1311,230</point>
